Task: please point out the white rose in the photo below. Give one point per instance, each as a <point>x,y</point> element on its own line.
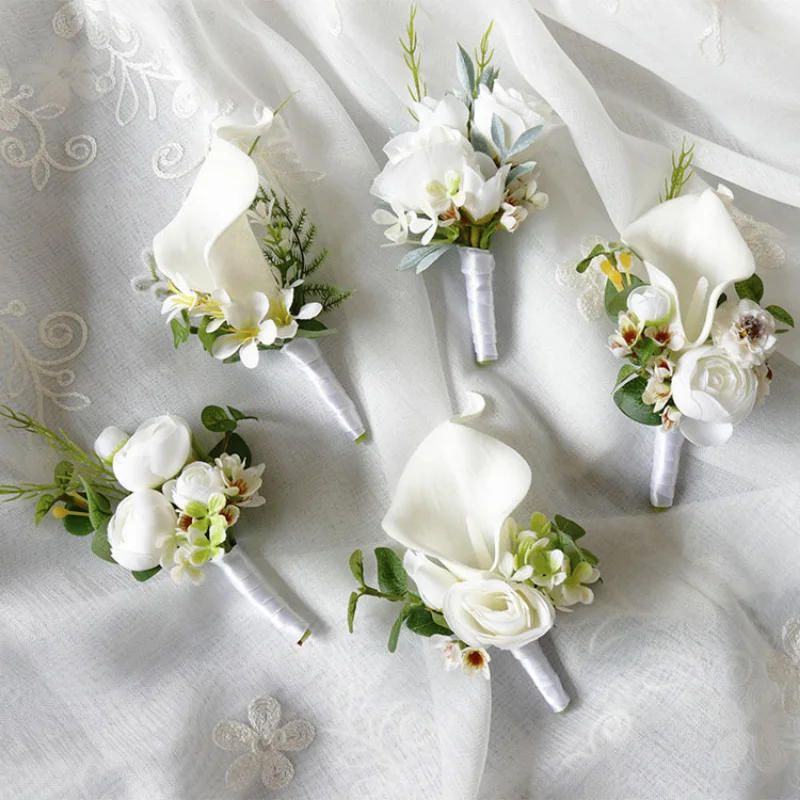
<point>517,113</point>
<point>485,190</point>
<point>713,392</point>
<point>109,442</point>
<point>136,532</point>
<point>746,331</point>
<point>651,305</point>
<point>491,612</point>
<point>154,454</point>
<point>197,482</point>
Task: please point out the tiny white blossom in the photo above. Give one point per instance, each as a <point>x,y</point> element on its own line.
<point>398,221</point>
<point>250,328</point>
<point>475,661</point>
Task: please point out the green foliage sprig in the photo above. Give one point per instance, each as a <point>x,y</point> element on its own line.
<point>681,173</point>
<point>417,89</point>
<point>393,586</point>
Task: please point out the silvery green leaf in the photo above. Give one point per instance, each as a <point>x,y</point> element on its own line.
<point>412,258</point>
<point>488,77</point>
<point>525,140</point>
<point>480,143</point>
<point>519,171</point>
<point>499,134</point>
<point>465,70</point>
<point>435,253</point>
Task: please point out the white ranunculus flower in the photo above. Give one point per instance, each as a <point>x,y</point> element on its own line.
<point>517,113</point>
<point>197,482</point>
<point>109,442</point>
<point>693,251</point>
<point>746,331</point>
<point>713,392</point>
<point>154,454</point>
<point>492,612</point>
<point>210,242</point>
<point>142,521</point>
<point>651,305</point>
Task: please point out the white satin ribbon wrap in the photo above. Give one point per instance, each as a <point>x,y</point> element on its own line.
<point>254,585</point>
<point>477,267</point>
<point>545,678</point>
<point>307,355</point>
<point>666,461</point>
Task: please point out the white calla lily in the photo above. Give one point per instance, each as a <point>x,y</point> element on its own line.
<point>454,496</point>
<point>432,580</point>
<point>209,243</point>
<point>693,251</point>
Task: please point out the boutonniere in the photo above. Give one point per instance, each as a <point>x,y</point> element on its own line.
<point>158,500</point>
<point>480,579</point>
<point>466,172</point>
<point>242,270</point>
<point>684,294</point>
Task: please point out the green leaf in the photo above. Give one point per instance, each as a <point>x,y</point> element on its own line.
<point>63,474</point>
<point>78,526</point>
<point>519,171</point>
<point>567,545</point>
<point>646,349</point>
<point>217,420</point>
<point>781,314</point>
<point>394,634</point>
<point>100,544</point>
<point>99,506</point>
<point>412,258</point>
<point>723,298</point>
<point>235,446</point>
<point>357,566</point>
<point>629,401</point>
<point>465,70</point>
<point>240,415</point>
<point>392,577</point>
<point>439,619</point>
<point>480,143</point>
<point>525,140</point>
<point>583,265</point>
<point>180,332</point>
<point>569,527</point>
<point>43,506</point>
<point>615,301</point>
<point>351,610</point>
<point>145,574</point>
<point>435,253</point>
<point>624,374</point>
<point>751,289</point>
<point>205,337</point>
<point>589,556</point>
<point>420,620</point>
<point>499,135</point>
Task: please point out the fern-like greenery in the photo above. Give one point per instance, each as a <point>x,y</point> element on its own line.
<point>681,173</point>
<point>417,88</point>
<point>287,245</point>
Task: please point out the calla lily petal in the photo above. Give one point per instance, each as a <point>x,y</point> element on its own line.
<point>432,580</point>
<point>454,496</point>
<point>210,241</point>
<point>692,250</point>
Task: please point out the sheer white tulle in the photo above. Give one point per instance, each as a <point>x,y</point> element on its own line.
<point>111,688</point>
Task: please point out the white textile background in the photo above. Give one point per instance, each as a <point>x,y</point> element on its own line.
<point>109,688</point>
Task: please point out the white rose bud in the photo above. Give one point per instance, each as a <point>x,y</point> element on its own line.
<point>651,305</point>
<point>713,392</point>
<point>139,525</point>
<point>154,454</point>
<point>517,113</point>
<point>197,482</point>
<point>109,442</point>
<point>492,612</point>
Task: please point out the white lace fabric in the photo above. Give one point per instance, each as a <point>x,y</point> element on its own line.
<point>688,656</point>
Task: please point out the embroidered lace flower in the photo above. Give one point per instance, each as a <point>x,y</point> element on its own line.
<point>263,742</point>
<point>784,668</point>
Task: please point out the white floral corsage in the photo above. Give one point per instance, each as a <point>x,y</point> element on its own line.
<point>481,579</point>
<point>696,358</point>
<point>158,500</point>
<point>465,173</point>
<point>241,271</point>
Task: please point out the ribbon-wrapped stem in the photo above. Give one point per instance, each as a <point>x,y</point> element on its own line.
<point>666,461</point>
<point>256,587</point>
<point>545,678</point>
<point>307,355</point>
<point>477,267</point>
